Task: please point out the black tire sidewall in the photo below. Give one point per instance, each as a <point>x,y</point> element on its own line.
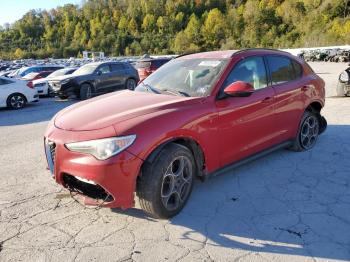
<point>297,146</point>
<point>83,91</point>
<point>127,86</point>
<point>9,103</point>
<point>154,177</point>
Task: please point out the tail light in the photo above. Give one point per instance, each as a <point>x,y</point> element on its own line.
<point>30,84</point>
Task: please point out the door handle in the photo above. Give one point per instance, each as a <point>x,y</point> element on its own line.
<point>267,100</point>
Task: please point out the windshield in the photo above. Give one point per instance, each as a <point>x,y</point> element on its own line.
<point>188,77</point>
<point>85,70</point>
<point>22,71</point>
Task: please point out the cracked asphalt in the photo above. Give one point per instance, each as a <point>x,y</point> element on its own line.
<point>286,206</point>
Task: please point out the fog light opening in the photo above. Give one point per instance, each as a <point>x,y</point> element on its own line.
<point>87,188</point>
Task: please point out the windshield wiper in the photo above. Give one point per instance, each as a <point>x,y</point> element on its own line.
<point>176,92</point>
<point>150,88</point>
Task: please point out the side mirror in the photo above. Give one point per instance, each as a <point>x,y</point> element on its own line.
<point>99,73</point>
<point>239,89</point>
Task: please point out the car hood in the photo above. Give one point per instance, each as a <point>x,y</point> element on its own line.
<point>60,78</point>
<point>111,109</point>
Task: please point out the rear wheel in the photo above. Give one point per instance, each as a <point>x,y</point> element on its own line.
<point>166,184</point>
<point>63,97</point>
<point>130,84</point>
<point>309,130</point>
<point>16,101</point>
<point>85,92</point>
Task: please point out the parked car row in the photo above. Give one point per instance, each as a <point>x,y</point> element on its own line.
<point>327,55</point>
<point>82,82</point>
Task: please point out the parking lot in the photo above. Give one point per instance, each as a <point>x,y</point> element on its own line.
<point>286,206</point>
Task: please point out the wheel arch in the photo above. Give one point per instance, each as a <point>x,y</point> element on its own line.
<point>86,82</point>
<point>315,106</point>
<point>17,93</point>
<point>188,142</point>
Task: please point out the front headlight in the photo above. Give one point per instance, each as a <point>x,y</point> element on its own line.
<point>102,149</point>
<point>65,81</point>
<point>344,77</point>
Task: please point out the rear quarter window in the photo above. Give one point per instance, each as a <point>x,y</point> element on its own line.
<point>281,69</point>
<point>117,67</point>
<point>298,69</point>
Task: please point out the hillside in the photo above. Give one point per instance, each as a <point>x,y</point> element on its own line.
<point>133,27</point>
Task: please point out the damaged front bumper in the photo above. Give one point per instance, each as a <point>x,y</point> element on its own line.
<point>108,183</point>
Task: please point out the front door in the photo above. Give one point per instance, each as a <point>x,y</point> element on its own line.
<point>103,79</point>
<point>246,124</point>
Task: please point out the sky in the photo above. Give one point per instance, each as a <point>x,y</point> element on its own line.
<point>12,10</point>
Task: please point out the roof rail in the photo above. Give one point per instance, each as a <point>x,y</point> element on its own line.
<point>184,54</point>
<point>258,48</point>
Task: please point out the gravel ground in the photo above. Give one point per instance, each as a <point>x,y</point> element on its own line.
<point>287,206</point>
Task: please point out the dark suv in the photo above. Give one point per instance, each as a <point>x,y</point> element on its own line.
<point>95,79</point>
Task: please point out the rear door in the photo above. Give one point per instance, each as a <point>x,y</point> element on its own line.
<point>118,76</point>
<point>288,83</point>
<point>246,124</point>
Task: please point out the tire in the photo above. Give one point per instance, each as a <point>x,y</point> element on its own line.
<point>130,84</point>
<point>16,101</point>
<point>340,89</point>
<point>63,97</point>
<point>309,130</point>
<point>162,188</point>
<point>85,92</point>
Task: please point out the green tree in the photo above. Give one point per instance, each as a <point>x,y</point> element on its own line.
<point>213,30</point>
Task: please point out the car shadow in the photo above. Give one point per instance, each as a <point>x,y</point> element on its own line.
<point>284,203</point>
<point>47,107</point>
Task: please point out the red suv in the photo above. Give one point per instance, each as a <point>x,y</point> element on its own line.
<point>197,115</point>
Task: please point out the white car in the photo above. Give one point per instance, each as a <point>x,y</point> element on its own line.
<point>42,86</point>
<point>16,94</point>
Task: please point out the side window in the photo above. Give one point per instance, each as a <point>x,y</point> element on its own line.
<point>251,70</point>
<point>117,67</point>
<point>281,69</point>
<point>104,69</point>
<point>297,69</point>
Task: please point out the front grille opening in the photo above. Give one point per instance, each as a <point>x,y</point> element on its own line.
<point>89,190</point>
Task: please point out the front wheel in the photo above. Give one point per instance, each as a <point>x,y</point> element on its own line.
<point>16,101</point>
<point>308,132</point>
<point>85,92</point>
<point>166,184</point>
<point>63,97</point>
